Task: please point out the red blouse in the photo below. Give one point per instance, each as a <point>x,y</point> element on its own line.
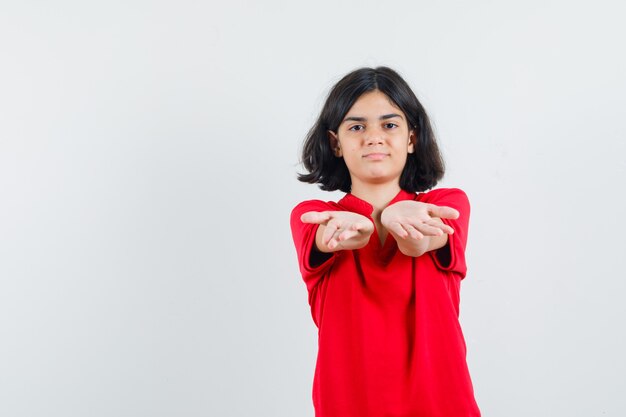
<point>390,343</point>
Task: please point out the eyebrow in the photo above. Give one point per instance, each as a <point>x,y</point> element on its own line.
<point>364,119</point>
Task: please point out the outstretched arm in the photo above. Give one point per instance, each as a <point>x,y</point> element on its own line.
<point>417,226</point>
<point>339,230</point>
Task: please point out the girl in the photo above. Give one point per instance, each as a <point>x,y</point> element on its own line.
<point>383,265</point>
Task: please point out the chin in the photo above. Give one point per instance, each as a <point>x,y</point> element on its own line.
<point>382,179</point>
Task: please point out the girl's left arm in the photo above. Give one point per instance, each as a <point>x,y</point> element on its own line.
<point>417,226</point>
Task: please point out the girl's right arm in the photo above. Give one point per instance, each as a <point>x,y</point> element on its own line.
<point>339,230</point>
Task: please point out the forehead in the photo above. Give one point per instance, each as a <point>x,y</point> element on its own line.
<point>373,103</point>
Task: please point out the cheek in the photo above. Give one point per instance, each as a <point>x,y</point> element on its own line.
<point>403,146</point>
<point>351,159</point>
<point>404,160</point>
<point>351,151</point>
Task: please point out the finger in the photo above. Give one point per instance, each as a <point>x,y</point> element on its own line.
<point>428,230</point>
<point>426,226</point>
<point>396,227</point>
<point>356,226</point>
<point>441,225</point>
<point>412,232</point>
<point>334,242</point>
<point>361,226</point>
<point>329,232</point>
<point>347,234</point>
<point>443,212</point>
<point>315,217</point>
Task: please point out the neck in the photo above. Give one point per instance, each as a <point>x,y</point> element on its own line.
<point>378,195</point>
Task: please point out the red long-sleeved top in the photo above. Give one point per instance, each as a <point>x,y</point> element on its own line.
<point>390,343</point>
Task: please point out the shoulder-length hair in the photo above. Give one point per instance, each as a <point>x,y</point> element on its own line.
<point>424,167</point>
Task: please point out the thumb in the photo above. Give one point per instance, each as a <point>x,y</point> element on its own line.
<point>444,212</point>
<point>315,217</point>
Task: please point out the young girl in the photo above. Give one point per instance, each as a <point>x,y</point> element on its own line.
<point>383,265</point>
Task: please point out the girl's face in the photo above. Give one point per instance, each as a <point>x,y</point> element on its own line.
<point>374,140</point>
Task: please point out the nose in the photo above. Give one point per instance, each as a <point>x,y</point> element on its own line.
<point>374,137</point>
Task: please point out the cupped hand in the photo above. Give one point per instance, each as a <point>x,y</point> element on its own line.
<point>342,229</point>
<point>414,219</point>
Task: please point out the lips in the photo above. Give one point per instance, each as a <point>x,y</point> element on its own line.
<point>375,156</point>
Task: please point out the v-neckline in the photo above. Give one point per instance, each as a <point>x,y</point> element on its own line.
<point>382,252</point>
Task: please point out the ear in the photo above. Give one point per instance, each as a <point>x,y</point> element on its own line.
<point>334,143</point>
<point>412,138</point>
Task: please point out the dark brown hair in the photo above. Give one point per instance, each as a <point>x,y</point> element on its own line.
<point>424,167</point>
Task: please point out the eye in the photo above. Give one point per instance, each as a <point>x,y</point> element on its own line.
<point>390,125</point>
<point>356,128</point>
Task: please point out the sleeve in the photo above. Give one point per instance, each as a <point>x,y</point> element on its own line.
<point>451,257</point>
<point>312,264</point>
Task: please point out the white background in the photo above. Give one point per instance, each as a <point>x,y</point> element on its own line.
<point>148,153</point>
